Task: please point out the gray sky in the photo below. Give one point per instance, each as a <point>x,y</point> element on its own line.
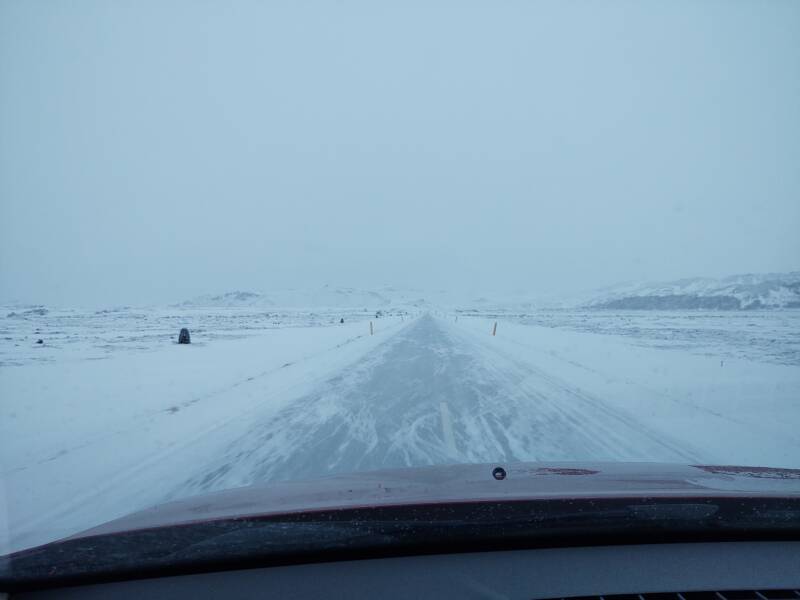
<point>151,151</point>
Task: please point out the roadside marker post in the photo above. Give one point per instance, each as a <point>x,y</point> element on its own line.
<point>370,327</point>
<point>494,329</point>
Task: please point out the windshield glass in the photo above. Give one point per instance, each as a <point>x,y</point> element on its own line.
<point>251,242</point>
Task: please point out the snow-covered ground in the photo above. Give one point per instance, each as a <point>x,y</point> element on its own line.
<point>771,336</point>
<point>717,409</point>
<point>86,417</point>
<point>109,415</point>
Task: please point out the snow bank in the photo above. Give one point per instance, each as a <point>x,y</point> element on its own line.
<point>729,411</point>
<point>83,441</point>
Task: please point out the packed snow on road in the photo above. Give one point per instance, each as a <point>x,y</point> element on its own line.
<point>104,413</point>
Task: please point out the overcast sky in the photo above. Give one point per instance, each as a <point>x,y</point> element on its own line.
<point>152,151</point>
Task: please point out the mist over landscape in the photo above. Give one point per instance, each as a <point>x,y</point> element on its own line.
<point>157,152</point>
<point>243,243</point>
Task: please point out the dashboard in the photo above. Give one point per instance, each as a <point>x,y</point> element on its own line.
<point>515,574</point>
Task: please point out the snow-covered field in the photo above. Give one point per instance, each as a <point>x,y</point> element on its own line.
<point>110,415</point>
<point>761,336</point>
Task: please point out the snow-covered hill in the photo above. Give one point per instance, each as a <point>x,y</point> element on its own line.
<point>329,296</point>
<point>324,297</point>
<point>229,299</point>
<point>737,292</point>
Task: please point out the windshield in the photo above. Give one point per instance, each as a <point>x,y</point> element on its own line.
<point>245,242</point>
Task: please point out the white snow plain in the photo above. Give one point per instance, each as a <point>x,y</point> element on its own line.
<point>109,415</point>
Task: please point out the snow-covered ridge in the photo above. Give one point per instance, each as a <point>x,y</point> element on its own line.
<point>737,292</point>
<point>324,297</point>
<point>329,296</point>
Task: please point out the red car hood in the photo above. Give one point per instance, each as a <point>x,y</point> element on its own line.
<point>466,483</point>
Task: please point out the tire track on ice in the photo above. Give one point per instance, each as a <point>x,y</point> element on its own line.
<point>617,435</point>
<point>428,395</point>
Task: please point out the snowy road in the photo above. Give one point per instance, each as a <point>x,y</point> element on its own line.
<point>432,394</point>
<point>93,434</point>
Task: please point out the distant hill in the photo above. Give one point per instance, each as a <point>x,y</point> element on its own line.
<point>327,296</point>
<point>229,299</point>
<point>324,297</point>
<point>738,292</point>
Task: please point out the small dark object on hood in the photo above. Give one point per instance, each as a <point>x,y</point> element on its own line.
<point>183,337</point>
<point>40,341</point>
<point>499,473</point>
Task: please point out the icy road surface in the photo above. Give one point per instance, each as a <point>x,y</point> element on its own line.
<point>430,396</point>
<point>91,430</point>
